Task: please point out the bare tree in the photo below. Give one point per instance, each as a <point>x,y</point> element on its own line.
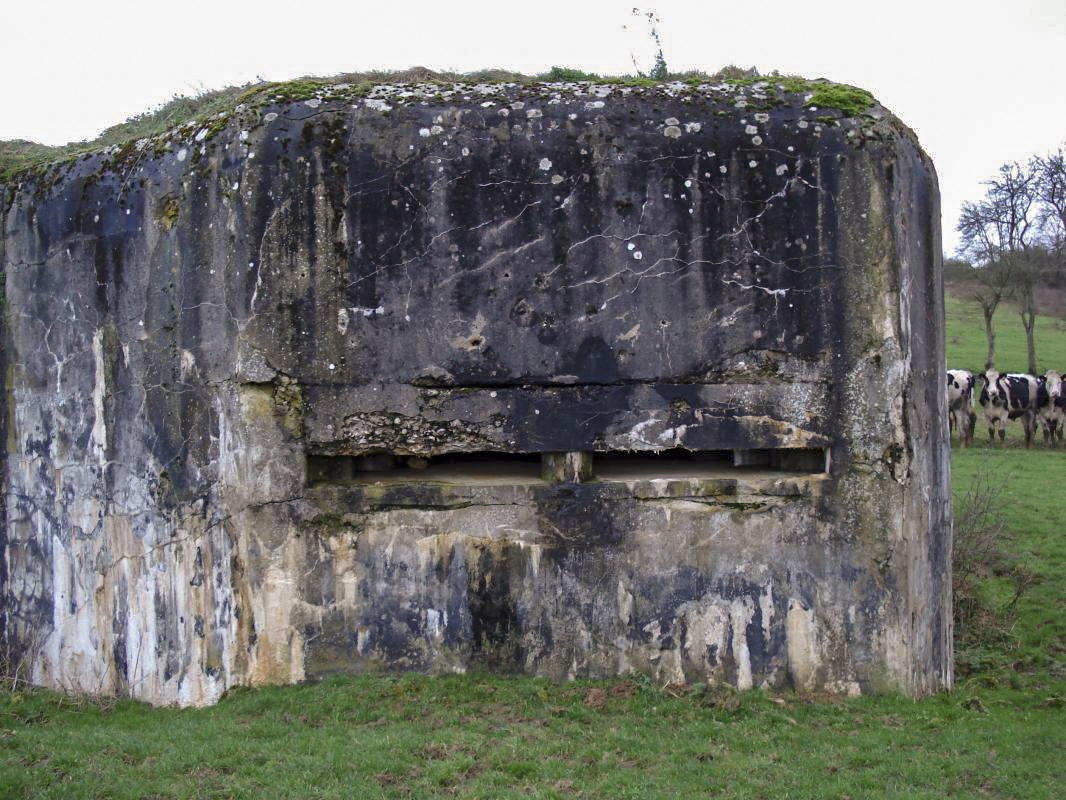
<point>987,285</point>
<point>1051,187</point>
<point>1051,192</point>
<point>1026,280</point>
<point>997,233</point>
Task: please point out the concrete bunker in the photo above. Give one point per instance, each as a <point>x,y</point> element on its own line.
<point>558,379</point>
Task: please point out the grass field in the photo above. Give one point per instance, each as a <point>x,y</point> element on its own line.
<point>1000,734</point>
<point>967,347</point>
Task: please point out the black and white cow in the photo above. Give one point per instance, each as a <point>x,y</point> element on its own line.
<point>961,413</point>
<point>1050,406</point>
<point>1006,397</point>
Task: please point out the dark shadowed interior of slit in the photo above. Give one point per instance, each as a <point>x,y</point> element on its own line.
<point>649,464</point>
<point>678,463</point>
<point>480,467</point>
<point>518,468</point>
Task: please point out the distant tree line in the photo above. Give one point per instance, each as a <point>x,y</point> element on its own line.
<point>1013,242</point>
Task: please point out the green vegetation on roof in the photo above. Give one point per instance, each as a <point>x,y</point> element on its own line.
<point>19,158</point>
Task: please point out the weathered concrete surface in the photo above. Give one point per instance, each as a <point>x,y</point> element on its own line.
<point>554,268</point>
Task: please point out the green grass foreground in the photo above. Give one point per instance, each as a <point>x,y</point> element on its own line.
<point>482,736</point>
<point>1000,734</point>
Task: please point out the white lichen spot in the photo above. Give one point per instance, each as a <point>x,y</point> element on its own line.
<point>673,121</point>
<point>693,127</point>
<point>518,105</point>
<point>557,179</point>
<point>534,113</point>
<point>236,186</point>
<point>488,104</point>
<point>753,163</point>
<point>756,140</point>
<point>791,149</point>
<point>638,255</point>
<point>201,134</point>
<point>782,169</point>
<point>545,164</point>
<point>631,246</point>
<point>314,102</point>
<point>750,129</point>
<point>594,104</point>
<point>244,136</point>
<point>492,394</point>
<point>723,169</point>
<point>423,132</point>
<point>96,217</point>
<point>802,123</point>
<point>332,366</point>
<point>571,117</point>
<point>270,117</point>
<point>741,104</point>
<point>342,321</point>
<point>465,151</point>
<point>688,184</point>
<point>761,117</point>
<point>436,130</point>
<point>504,112</point>
<point>672,132</point>
<point>377,104</point>
<point>182,153</point>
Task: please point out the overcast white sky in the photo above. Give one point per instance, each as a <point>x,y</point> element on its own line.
<point>982,82</point>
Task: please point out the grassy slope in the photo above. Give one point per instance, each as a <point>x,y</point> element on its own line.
<point>1002,733</point>
<point>967,347</point>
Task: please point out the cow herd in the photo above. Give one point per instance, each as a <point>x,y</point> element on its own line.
<point>1035,400</point>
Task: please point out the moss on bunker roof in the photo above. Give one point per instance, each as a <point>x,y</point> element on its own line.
<point>210,112</point>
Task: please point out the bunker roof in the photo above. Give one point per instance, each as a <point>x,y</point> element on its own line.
<point>184,118</point>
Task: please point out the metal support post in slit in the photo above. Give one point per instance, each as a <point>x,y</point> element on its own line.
<point>571,467</point>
